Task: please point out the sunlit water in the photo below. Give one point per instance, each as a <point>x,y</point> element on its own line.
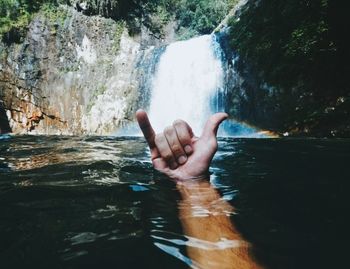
<point>96,202</point>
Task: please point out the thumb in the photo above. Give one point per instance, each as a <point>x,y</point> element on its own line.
<point>212,125</point>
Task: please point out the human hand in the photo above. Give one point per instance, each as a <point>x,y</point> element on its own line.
<point>177,152</point>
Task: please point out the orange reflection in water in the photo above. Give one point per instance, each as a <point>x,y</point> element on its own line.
<point>214,242</point>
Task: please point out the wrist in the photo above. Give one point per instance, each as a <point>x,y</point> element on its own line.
<point>193,183</point>
<point>190,175</point>
<point>198,192</point>
<point>190,179</point>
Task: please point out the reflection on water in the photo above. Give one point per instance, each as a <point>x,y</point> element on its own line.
<point>77,202</point>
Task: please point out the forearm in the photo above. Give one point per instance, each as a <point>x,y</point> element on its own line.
<point>179,154</point>
<point>205,216</point>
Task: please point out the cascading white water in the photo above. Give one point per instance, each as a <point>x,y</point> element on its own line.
<point>188,77</point>
<point>188,83</point>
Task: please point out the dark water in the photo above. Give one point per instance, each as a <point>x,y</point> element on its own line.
<point>70,202</point>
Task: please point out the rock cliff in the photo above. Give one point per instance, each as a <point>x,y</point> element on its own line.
<point>72,74</point>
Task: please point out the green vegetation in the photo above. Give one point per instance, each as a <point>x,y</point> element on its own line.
<point>301,49</point>
<point>72,68</point>
<point>53,13</point>
<point>120,26</point>
<point>193,16</point>
<point>15,16</point>
<point>298,48</point>
<point>197,17</point>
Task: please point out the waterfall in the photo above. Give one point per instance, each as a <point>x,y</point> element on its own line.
<point>187,81</point>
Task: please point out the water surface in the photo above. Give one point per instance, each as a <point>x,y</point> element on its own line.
<point>83,202</point>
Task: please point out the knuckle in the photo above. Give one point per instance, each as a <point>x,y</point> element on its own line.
<point>183,131</point>
<point>168,131</point>
<point>178,122</point>
<point>177,150</point>
<point>184,137</point>
<point>168,156</point>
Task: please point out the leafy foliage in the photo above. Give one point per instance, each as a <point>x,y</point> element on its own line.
<point>202,16</point>
<point>193,16</point>
<point>15,16</point>
<point>290,42</point>
<point>301,49</point>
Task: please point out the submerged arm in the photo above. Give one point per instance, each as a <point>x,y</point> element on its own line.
<point>205,216</point>
<point>213,242</point>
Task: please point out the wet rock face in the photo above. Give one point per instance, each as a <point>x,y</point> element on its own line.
<point>73,74</point>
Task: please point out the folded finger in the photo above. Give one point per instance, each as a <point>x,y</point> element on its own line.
<point>175,145</point>
<point>165,151</point>
<point>184,134</point>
